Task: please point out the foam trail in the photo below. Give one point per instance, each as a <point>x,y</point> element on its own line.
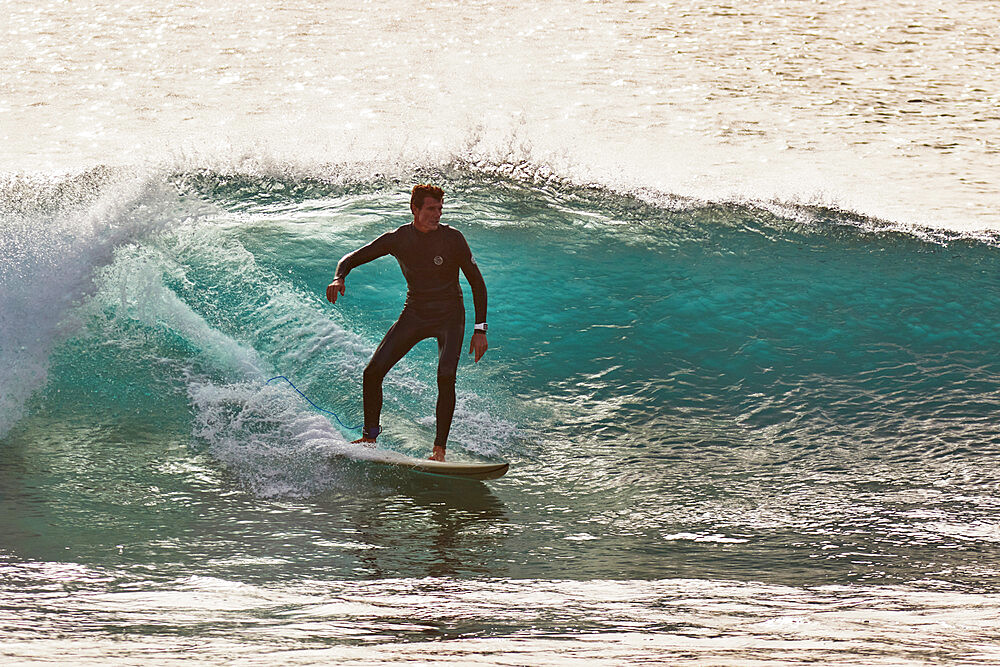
<point>272,445</point>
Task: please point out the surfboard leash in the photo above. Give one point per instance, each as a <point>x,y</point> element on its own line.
<point>292,385</point>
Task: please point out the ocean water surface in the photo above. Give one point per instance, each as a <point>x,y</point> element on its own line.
<point>744,309</point>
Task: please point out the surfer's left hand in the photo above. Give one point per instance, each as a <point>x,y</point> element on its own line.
<point>478,346</point>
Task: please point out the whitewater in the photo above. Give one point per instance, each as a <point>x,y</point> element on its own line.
<point>744,312</point>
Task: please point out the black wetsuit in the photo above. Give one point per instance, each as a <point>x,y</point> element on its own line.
<point>434,309</point>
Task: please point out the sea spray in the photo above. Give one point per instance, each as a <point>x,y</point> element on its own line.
<point>52,249</point>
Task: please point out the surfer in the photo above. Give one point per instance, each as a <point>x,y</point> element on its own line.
<point>430,255</point>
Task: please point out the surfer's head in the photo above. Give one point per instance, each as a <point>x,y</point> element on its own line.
<point>425,203</point>
<point>422,192</point>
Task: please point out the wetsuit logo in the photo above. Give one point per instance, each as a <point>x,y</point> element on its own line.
<point>439,260</point>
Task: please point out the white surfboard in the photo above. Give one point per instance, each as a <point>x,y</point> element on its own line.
<point>461,469</point>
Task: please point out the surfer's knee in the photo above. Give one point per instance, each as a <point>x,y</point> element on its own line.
<point>446,379</point>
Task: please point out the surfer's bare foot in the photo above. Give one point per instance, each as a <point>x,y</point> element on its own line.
<point>367,442</point>
<point>437,454</point>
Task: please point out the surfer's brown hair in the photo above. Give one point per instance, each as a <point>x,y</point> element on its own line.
<point>422,192</point>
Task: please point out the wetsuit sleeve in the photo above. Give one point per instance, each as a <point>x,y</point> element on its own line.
<point>380,247</point>
<point>475,278</point>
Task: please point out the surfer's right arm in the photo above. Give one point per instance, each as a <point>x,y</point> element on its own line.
<point>378,248</point>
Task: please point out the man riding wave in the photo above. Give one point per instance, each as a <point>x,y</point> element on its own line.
<point>430,255</point>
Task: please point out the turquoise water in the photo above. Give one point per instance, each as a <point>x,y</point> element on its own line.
<point>742,265</point>
<point>689,394</point>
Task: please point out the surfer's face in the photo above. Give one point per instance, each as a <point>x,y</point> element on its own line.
<point>427,217</point>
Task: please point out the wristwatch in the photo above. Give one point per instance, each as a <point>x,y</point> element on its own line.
<point>480,327</point>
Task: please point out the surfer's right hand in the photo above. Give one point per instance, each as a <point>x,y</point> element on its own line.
<point>334,288</point>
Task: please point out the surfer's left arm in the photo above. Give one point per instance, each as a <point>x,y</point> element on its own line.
<point>478,346</point>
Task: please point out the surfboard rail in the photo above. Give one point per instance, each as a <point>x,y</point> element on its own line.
<point>461,469</point>
<point>465,470</point>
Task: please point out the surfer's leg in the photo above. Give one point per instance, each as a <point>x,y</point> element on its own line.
<point>399,340</point>
<point>450,340</point>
